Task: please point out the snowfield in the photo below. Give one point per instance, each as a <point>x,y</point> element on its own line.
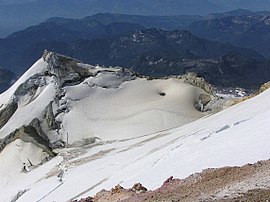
<point>110,104</point>
<point>134,109</point>
<point>127,118</point>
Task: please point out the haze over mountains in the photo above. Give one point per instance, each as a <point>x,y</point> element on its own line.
<point>130,41</point>
<point>19,14</point>
<point>240,27</point>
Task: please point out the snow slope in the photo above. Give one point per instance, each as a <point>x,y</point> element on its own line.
<point>140,124</point>
<point>61,102</point>
<point>235,136</point>
<point>134,109</point>
<point>39,66</point>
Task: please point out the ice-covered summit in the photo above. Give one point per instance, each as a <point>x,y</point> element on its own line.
<point>60,101</point>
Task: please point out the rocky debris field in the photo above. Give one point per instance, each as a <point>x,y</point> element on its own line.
<point>250,182</point>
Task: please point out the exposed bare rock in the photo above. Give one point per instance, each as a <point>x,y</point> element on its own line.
<point>29,88</point>
<point>38,131</point>
<point>50,118</point>
<point>88,199</point>
<point>117,189</point>
<point>31,133</point>
<point>65,69</point>
<point>264,87</point>
<point>205,99</point>
<point>116,194</point>
<point>202,101</point>
<point>250,182</point>
<point>7,112</point>
<point>250,196</point>
<point>138,188</point>
<point>194,80</point>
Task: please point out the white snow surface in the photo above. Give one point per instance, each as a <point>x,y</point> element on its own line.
<point>108,105</point>
<point>39,66</point>
<point>235,136</point>
<point>134,109</point>
<point>143,138</point>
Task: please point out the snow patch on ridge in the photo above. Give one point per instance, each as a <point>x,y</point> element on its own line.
<point>74,101</point>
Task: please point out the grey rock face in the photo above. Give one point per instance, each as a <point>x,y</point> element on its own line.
<point>50,118</point>
<point>36,125</point>
<point>194,80</point>
<point>7,112</point>
<point>29,88</point>
<point>65,69</point>
<point>205,99</point>
<point>264,87</point>
<point>31,133</point>
<point>202,101</point>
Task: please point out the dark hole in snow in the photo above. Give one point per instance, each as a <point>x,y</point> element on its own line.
<point>64,109</point>
<point>162,94</point>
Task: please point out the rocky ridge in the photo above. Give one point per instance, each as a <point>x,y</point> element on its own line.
<point>63,72</point>
<point>250,182</point>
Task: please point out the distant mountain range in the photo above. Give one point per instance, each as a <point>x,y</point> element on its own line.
<point>19,14</point>
<point>6,79</point>
<point>162,22</point>
<point>130,41</point>
<point>241,27</point>
<point>13,2</point>
<point>152,52</point>
<point>19,50</point>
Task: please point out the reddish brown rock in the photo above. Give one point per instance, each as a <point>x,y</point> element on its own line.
<point>250,183</point>
<point>117,189</point>
<point>138,188</point>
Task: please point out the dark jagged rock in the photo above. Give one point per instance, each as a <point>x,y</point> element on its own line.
<point>138,188</point>
<point>36,125</point>
<point>264,87</point>
<point>29,134</point>
<point>29,87</point>
<point>50,117</point>
<point>7,112</point>
<point>64,68</point>
<point>205,99</point>
<point>117,189</point>
<point>193,79</point>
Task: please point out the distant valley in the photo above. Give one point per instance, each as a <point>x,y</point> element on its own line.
<point>241,28</point>
<point>148,47</point>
